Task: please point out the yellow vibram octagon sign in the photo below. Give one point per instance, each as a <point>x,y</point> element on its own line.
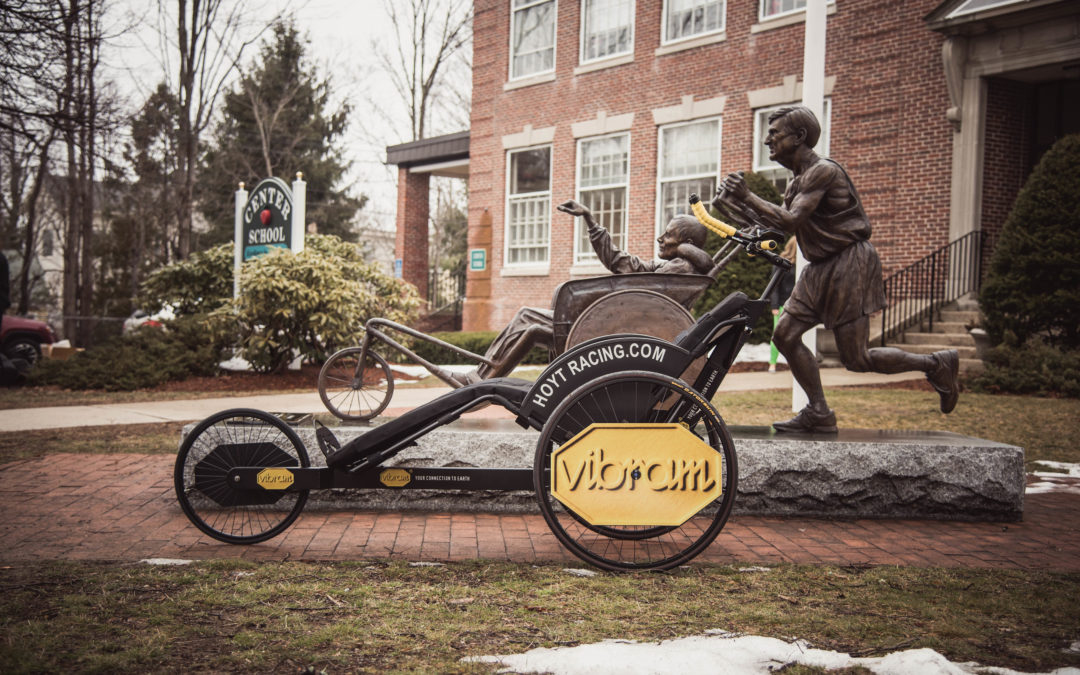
<point>275,479</point>
<point>636,474</point>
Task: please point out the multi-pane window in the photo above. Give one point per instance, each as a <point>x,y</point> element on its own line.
<point>774,8</point>
<point>689,163</point>
<point>770,8</point>
<point>607,29</point>
<point>688,18</point>
<point>771,169</point>
<point>528,208</point>
<point>532,37</point>
<point>603,183</point>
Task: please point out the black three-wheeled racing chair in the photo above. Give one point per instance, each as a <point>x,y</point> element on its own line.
<point>634,468</point>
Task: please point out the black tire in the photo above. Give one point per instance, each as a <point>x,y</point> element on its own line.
<point>221,442</point>
<point>27,349</point>
<point>352,392</point>
<point>639,397</point>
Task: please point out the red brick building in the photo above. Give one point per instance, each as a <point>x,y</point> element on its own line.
<point>938,111</point>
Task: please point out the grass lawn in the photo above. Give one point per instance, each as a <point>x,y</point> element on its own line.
<point>378,617</point>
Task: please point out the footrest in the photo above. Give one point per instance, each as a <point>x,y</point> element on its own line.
<point>328,442</point>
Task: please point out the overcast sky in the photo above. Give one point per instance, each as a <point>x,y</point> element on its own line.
<point>341,33</point>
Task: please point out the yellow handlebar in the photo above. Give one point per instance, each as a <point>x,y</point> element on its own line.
<point>719,227</point>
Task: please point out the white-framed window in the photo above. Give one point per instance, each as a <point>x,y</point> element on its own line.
<point>528,205</point>
<point>607,29</point>
<point>770,169</point>
<point>689,162</point>
<point>532,37</point>
<point>685,19</point>
<point>603,180</point>
<point>770,9</point>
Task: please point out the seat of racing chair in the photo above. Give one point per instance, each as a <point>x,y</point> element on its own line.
<point>573,297</point>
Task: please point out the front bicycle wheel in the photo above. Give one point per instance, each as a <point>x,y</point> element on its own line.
<point>221,443</point>
<point>354,388</point>
<point>635,398</point>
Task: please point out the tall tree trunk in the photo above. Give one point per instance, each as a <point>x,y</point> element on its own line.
<point>188,131</point>
<point>89,155</point>
<point>71,231</point>
<point>30,235</point>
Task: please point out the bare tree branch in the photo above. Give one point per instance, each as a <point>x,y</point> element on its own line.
<point>431,41</point>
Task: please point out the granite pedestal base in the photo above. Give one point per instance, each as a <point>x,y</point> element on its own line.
<point>856,473</point>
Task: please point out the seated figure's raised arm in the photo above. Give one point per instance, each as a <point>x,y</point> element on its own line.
<point>618,261</point>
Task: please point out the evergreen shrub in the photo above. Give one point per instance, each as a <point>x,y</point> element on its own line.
<point>1035,368</point>
<point>1033,285</point>
<point>148,357</point>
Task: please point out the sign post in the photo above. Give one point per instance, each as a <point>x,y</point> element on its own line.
<point>813,98</point>
<point>299,227</point>
<point>241,197</point>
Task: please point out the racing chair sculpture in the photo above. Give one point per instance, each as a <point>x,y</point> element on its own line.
<point>633,469</point>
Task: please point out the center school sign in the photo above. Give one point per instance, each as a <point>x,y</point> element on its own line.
<point>271,217</point>
<point>267,218</point>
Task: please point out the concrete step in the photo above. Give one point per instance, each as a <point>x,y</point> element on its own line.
<point>955,327</point>
<point>965,352</point>
<point>960,316</point>
<point>954,339</point>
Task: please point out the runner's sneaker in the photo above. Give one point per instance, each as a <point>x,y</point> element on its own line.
<point>809,421</point>
<point>943,377</point>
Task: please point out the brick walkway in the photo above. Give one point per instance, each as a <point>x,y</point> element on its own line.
<point>122,507</point>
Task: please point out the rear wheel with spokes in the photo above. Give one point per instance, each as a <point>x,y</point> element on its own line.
<point>356,384</point>
<point>645,398</point>
<point>214,503</point>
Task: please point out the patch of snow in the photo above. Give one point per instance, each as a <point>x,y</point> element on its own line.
<point>1062,468</point>
<point>758,353</point>
<point>236,364</point>
<point>426,564</point>
<point>166,561</point>
<point>578,572</point>
<point>413,370</point>
<point>739,654</point>
<point>1053,482</point>
<point>755,569</point>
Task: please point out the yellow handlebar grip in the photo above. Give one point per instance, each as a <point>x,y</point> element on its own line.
<point>768,245</point>
<point>719,227</point>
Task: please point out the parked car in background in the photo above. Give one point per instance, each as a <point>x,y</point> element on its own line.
<point>22,338</point>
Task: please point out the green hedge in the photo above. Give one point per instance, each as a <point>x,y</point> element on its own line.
<point>1035,368</point>
<point>146,358</point>
<point>476,342</point>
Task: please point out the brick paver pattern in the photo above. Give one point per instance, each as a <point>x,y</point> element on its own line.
<point>122,507</point>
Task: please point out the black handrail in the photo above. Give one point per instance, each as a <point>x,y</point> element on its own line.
<point>917,292</point>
